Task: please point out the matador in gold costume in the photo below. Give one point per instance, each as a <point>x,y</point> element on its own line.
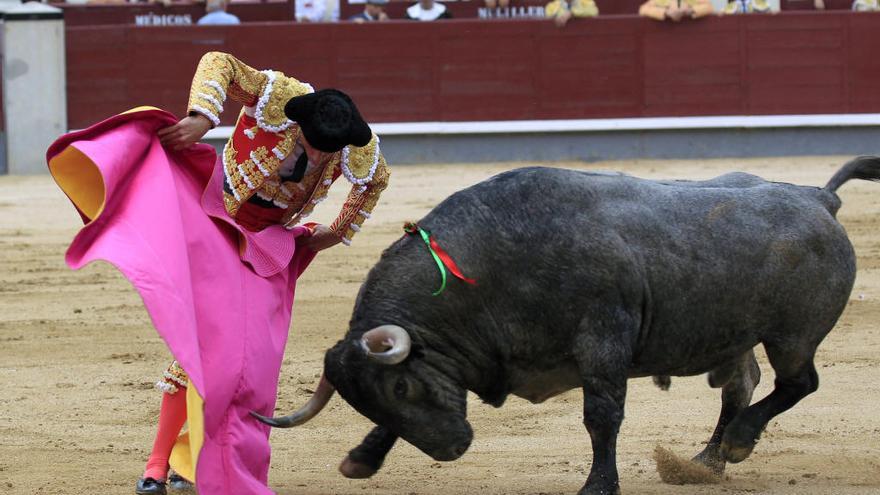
<point>288,146</point>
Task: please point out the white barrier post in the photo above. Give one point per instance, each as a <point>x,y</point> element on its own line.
<point>34,83</point>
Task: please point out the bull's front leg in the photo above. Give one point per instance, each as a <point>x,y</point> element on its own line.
<point>603,361</point>
<point>365,460</point>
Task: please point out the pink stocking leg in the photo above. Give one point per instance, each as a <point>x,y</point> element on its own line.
<point>172,415</point>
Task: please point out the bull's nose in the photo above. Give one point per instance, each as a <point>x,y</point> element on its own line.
<point>461,449</point>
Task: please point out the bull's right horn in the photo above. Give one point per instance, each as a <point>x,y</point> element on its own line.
<point>388,344</point>
<point>319,399</point>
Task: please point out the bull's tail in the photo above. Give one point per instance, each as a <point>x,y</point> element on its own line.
<point>863,167</point>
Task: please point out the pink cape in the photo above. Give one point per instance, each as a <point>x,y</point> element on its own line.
<point>223,311</point>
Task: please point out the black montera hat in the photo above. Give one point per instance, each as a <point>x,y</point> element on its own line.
<point>329,120</point>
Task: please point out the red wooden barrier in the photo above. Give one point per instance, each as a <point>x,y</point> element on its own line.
<point>470,70</point>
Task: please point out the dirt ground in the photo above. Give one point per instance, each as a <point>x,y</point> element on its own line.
<point>78,358</point>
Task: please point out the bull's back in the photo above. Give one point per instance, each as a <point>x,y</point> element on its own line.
<point>709,268</point>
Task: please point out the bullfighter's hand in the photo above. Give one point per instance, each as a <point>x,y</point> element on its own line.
<point>185,133</point>
<point>322,238</point>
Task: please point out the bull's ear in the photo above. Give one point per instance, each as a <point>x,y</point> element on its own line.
<point>387,344</point>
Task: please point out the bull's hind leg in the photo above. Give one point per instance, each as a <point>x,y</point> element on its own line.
<point>796,378</point>
<point>738,381</point>
<point>603,354</point>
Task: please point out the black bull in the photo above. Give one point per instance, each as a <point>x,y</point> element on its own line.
<point>585,280</point>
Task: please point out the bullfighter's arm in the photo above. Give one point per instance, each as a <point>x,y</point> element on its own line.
<point>218,76</point>
<point>365,190</point>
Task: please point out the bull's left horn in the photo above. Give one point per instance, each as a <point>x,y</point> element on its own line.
<point>388,344</point>
<point>319,399</point>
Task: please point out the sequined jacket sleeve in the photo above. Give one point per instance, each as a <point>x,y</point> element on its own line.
<point>363,197</point>
<point>220,76</point>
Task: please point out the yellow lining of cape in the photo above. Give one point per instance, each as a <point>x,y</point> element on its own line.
<point>185,454</point>
<point>80,179</point>
<point>78,176</point>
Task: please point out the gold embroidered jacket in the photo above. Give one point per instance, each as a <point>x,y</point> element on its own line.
<point>264,137</point>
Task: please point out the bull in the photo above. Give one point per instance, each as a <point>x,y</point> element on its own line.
<point>585,280</point>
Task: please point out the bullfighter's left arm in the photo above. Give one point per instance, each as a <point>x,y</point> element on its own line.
<point>366,169</point>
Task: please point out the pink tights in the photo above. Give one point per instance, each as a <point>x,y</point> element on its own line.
<point>172,416</point>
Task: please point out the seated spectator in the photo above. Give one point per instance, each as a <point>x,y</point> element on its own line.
<point>374,10</point>
<point>746,7</point>
<point>427,10</point>
<point>563,10</point>
<point>866,5</point>
<point>502,4</point>
<point>675,10</point>
<point>316,10</point>
<point>217,15</point>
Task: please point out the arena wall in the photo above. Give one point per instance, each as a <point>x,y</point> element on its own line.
<point>616,67</point>
<point>470,70</point>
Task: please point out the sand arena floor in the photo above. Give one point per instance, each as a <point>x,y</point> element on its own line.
<point>78,358</point>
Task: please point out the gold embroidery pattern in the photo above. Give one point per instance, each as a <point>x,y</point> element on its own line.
<point>270,106</point>
<point>235,79</point>
<point>362,161</point>
<point>293,217</point>
<point>231,204</point>
<point>360,204</point>
<point>240,189</point>
<point>247,177</point>
<point>173,378</point>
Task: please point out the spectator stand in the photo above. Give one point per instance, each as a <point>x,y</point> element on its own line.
<point>469,9</point>
<point>178,13</point>
<point>808,5</point>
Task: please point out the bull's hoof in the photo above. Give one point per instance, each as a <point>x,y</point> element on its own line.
<point>355,470</point>
<point>738,441</point>
<point>711,458</point>
<point>599,491</point>
<point>734,453</point>
<point>600,488</point>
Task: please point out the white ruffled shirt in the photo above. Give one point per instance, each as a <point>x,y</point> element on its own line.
<point>432,14</point>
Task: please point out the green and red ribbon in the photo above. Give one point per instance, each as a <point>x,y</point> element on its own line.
<point>440,255</point>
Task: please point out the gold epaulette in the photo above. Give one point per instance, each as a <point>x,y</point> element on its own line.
<point>279,89</point>
<point>359,162</point>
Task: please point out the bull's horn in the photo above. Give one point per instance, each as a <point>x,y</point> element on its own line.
<point>388,344</point>
<point>319,399</point>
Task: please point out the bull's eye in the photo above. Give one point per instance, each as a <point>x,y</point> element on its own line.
<point>400,388</point>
